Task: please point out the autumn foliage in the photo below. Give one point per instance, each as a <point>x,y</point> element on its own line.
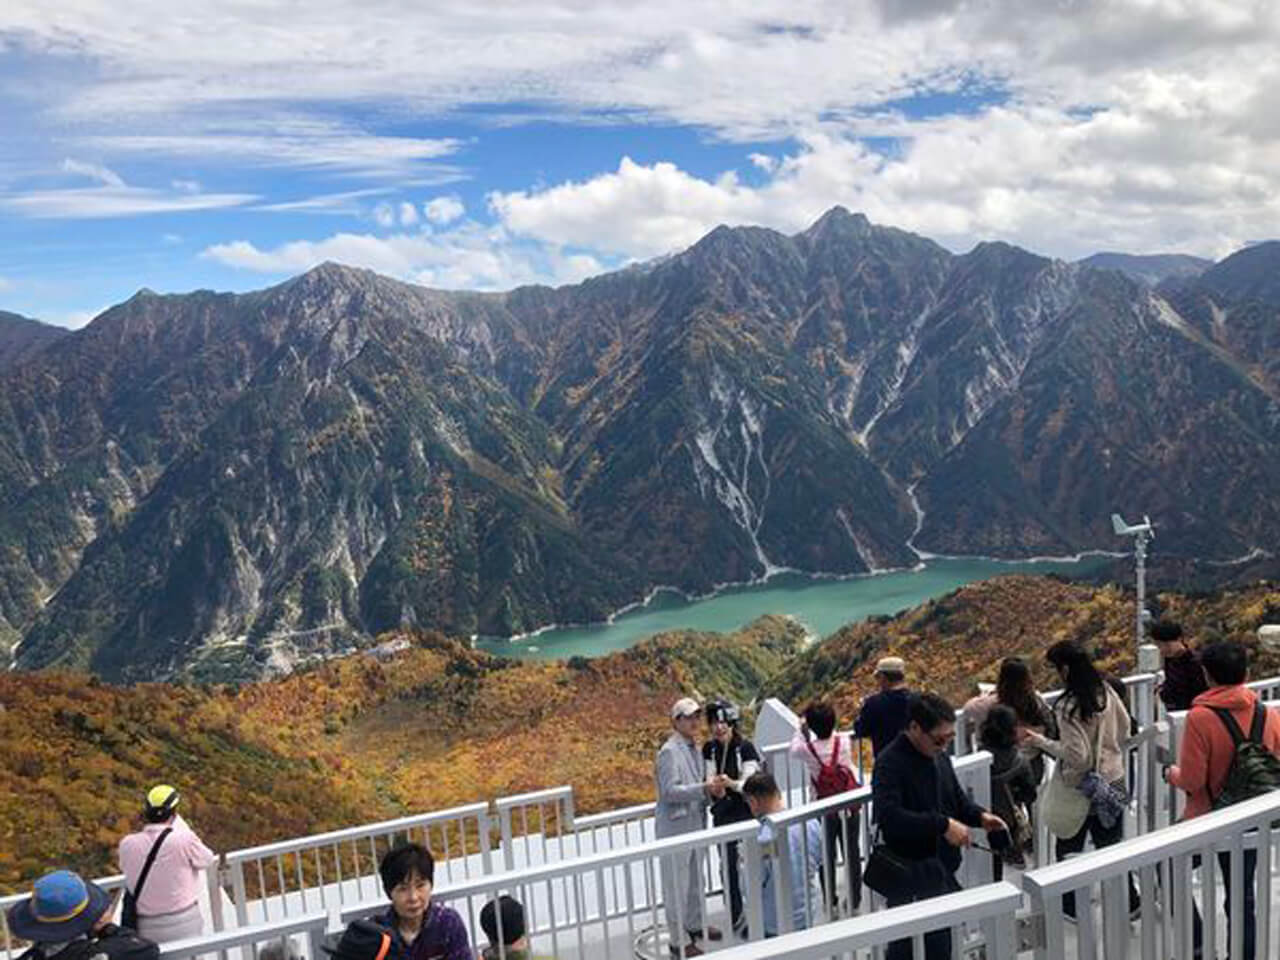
<point>371,737</point>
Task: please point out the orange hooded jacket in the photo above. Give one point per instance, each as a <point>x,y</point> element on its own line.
<point>1207,750</point>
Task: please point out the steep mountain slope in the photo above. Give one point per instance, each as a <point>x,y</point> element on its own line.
<point>1150,269</point>
<point>21,337</point>
<point>1103,420</point>
<point>227,484</point>
<point>1236,306</point>
<point>353,740</point>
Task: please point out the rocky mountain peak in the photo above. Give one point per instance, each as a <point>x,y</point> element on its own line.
<point>1249,274</point>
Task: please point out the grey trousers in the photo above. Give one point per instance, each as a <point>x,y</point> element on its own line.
<point>682,894</point>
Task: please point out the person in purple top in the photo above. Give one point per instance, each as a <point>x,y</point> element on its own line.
<point>419,928</point>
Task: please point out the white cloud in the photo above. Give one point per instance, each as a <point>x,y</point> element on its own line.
<point>384,214</point>
<point>291,141</point>
<point>408,214</point>
<point>171,239</point>
<point>1140,123</point>
<point>467,257</point>
<point>104,202</point>
<point>343,204</point>
<point>75,319</point>
<point>1049,180</point>
<point>186,186</point>
<point>93,171</point>
<point>443,210</point>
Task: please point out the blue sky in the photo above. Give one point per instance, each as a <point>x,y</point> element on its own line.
<point>543,142</point>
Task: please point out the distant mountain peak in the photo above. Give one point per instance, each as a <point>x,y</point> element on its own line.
<point>838,222</point>
<point>1150,269</point>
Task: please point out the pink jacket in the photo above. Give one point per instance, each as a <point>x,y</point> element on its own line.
<point>174,881</point>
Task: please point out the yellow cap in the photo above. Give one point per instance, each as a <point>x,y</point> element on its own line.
<point>162,798</point>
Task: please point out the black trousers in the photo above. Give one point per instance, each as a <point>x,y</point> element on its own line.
<point>847,840</point>
<point>733,885</point>
<point>931,879</point>
<point>1248,901</point>
<point>1101,836</point>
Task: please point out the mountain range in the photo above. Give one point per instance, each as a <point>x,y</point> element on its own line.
<point>220,485</point>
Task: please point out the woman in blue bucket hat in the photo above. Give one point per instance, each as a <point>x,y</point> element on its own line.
<point>70,918</point>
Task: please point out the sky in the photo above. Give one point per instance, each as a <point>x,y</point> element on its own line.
<point>229,144</point>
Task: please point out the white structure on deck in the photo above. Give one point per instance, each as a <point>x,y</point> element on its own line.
<point>591,884</point>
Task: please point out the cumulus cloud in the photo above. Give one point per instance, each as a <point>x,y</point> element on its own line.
<point>468,257</point>
<point>384,214</point>
<point>1119,123</point>
<point>408,214</point>
<point>1051,180</point>
<point>443,210</point>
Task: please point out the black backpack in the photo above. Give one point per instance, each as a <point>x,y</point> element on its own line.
<point>1254,769</point>
<point>111,943</point>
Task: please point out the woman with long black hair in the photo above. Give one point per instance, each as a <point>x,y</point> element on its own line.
<point>1086,797</point>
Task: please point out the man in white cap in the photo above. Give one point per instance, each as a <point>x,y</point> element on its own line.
<point>163,865</point>
<point>884,715</point>
<point>683,794</point>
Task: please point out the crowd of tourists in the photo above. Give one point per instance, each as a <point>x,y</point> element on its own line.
<point>923,819</point>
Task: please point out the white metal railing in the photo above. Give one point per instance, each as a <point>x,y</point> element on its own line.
<point>540,816</point>
<point>310,926</point>
<point>328,870</point>
<point>991,908</point>
<point>593,899</point>
<point>1162,865</point>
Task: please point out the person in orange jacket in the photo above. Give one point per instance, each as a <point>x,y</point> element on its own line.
<point>1208,748</point>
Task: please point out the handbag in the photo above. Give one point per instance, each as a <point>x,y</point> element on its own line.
<point>129,909</point>
<point>886,873</point>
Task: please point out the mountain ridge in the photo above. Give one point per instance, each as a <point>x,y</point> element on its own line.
<point>235,482</point>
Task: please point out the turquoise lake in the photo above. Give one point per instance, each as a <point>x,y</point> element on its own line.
<point>821,604</point>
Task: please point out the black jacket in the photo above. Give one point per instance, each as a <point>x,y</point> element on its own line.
<point>1183,681</point>
<point>913,796</point>
<point>116,943</point>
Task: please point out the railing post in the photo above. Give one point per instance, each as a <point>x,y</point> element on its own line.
<point>484,824</point>
<point>315,942</point>
<point>782,879</point>
<point>241,894</point>
<point>213,883</point>
<point>752,883</point>
<point>508,843</point>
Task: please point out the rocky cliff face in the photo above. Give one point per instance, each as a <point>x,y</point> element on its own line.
<point>228,484</point>
<point>21,338</point>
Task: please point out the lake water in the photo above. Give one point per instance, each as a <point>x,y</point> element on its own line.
<point>822,604</point>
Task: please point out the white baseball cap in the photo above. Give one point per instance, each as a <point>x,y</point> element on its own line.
<point>685,707</point>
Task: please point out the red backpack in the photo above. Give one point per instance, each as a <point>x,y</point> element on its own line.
<point>832,778</point>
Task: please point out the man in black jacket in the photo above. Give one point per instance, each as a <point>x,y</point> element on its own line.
<point>923,814</point>
<point>68,918</point>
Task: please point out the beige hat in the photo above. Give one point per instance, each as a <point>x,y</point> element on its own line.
<point>891,665</point>
<point>685,707</point>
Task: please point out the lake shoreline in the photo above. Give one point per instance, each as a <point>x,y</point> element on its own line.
<point>497,644</point>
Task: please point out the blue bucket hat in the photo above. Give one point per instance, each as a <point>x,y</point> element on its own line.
<point>61,907</point>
